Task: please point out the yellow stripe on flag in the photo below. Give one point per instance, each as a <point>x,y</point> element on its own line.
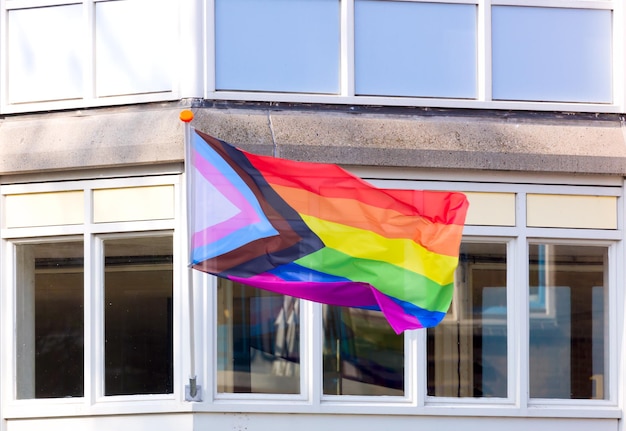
<point>385,222</point>
<point>403,253</point>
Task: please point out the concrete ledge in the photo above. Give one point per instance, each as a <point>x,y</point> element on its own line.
<point>541,142</point>
<point>149,134</point>
<point>90,139</point>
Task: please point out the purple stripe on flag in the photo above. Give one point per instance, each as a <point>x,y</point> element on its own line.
<point>341,293</point>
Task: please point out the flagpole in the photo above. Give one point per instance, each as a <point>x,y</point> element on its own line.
<point>192,392</point>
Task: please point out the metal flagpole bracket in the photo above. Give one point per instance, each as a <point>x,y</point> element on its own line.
<point>193,391</point>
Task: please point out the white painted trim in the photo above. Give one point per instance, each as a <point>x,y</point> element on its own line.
<point>517,317</point>
<point>412,102</point>
<point>619,348</point>
<point>92,298</point>
<point>316,389</point>
<point>166,169</point>
<point>189,61</point>
<point>483,51</point>
<point>346,28</point>
<point>88,52</point>
<point>27,4</point>
<point>578,4</point>
<point>4,50</point>
<point>89,102</point>
<point>106,183</point>
<point>489,178</point>
<point>173,95</point>
<point>209,48</point>
<point>619,55</point>
<point>414,346</point>
<point>263,422</point>
<point>501,187</point>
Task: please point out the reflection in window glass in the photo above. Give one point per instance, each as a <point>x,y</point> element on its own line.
<point>50,323</point>
<point>133,56</point>
<point>536,60</point>
<point>290,45</point>
<point>362,354</point>
<point>415,49</point>
<point>45,52</point>
<point>568,320</point>
<point>467,351</point>
<point>258,340</point>
<point>138,290</point>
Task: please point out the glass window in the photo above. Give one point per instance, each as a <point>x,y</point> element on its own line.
<point>534,59</point>
<point>415,49</point>
<point>138,282</point>
<point>467,351</point>
<point>288,45</point>
<point>362,354</point>
<point>45,54</point>
<point>568,321</point>
<point>50,320</point>
<point>133,55</point>
<point>258,339</point>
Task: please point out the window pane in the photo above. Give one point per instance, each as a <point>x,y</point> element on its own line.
<point>258,341</point>
<point>551,54</point>
<point>134,55</point>
<point>45,58</point>
<point>568,321</point>
<point>362,354</point>
<point>138,316</point>
<point>50,323</point>
<point>415,49</point>
<point>467,351</point>
<point>289,45</point>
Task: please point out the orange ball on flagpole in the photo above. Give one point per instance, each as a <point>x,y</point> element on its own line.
<point>186,115</point>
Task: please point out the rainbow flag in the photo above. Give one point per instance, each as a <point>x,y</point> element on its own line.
<point>316,232</point>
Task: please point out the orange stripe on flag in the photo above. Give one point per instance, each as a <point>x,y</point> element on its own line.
<point>385,222</point>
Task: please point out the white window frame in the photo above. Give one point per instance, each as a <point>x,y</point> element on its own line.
<point>180,83</point>
<point>415,401</point>
<point>311,400</point>
<point>195,60</point>
<point>92,235</point>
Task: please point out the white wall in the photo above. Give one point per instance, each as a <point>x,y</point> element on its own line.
<point>274,422</point>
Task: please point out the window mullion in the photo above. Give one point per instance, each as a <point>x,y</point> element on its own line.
<point>518,323</point>
<point>416,382</point>
<point>483,52</point>
<point>347,48</point>
<point>617,299</point>
<point>94,320</point>
<point>91,299</point>
<point>88,57</point>
<point>519,359</point>
<point>311,353</point>
<point>209,50</point>
<point>615,319</point>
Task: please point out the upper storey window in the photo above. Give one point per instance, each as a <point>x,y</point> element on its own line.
<point>86,53</point>
<point>534,59</point>
<point>277,45</point>
<point>564,55</point>
<point>424,50</point>
<point>475,54</point>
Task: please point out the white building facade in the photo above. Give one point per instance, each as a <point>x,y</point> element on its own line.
<point>518,103</point>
